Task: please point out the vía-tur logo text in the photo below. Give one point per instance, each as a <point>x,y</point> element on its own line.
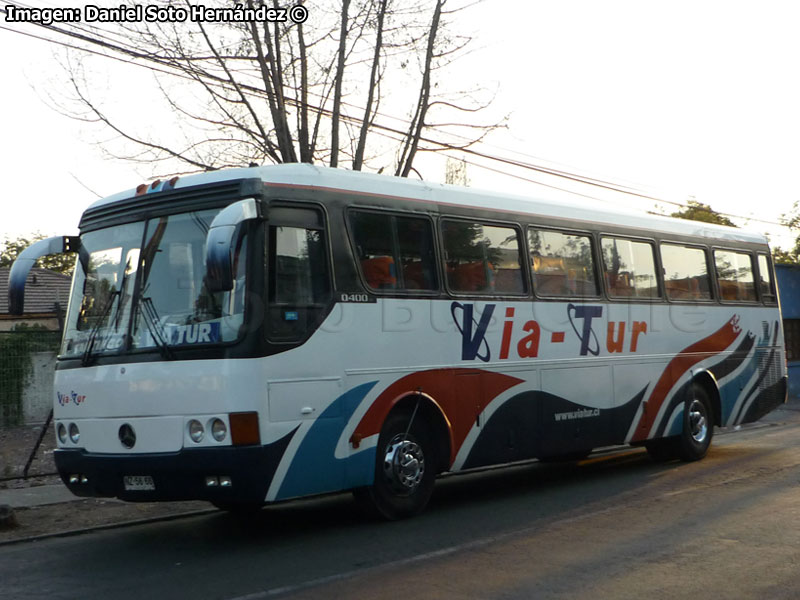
<point>73,397</point>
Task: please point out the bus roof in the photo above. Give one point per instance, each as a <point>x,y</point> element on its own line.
<point>566,206</point>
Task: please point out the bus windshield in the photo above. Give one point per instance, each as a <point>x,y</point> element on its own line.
<point>141,286</point>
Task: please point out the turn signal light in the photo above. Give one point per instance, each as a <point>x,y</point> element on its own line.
<point>244,429</point>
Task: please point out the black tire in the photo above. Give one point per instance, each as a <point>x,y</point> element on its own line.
<point>695,437</point>
<point>405,469</point>
<point>698,425</point>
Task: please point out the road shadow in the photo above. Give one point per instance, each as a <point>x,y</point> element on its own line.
<point>514,495</point>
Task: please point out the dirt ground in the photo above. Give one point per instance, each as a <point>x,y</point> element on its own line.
<point>17,445</point>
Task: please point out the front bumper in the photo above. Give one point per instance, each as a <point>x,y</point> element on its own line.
<point>176,475</point>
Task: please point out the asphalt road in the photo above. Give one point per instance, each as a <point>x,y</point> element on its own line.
<point>615,526</point>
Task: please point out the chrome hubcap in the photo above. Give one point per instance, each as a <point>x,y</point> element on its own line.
<point>698,424</point>
<point>403,464</point>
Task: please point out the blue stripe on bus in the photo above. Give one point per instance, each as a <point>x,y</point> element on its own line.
<point>315,468</point>
<point>677,424</point>
<point>733,390</point>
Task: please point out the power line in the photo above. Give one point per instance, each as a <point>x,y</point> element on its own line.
<point>86,27</point>
<point>530,166</point>
<point>167,67</point>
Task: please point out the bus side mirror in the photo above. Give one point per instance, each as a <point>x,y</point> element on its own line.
<point>221,242</point>
<point>25,261</point>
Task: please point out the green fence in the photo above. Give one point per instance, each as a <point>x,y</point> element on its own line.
<point>16,369</point>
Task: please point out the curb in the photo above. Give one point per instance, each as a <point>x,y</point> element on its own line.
<point>106,526</point>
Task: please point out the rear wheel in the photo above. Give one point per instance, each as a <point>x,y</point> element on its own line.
<point>695,437</point>
<point>698,426</point>
<point>405,469</point>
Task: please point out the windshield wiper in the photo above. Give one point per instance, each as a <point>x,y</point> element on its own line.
<point>151,320</point>
<point>86,359</point>
<point>115,295</point>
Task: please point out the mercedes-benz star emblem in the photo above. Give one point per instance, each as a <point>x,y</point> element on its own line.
<point>127,436</point>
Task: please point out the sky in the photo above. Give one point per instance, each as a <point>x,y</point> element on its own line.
<point>676,100</point>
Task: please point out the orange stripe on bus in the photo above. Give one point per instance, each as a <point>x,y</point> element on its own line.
<point>440,385</point>
<point>685,360</point>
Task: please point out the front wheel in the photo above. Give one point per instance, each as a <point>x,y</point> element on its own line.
<point>405,469</point>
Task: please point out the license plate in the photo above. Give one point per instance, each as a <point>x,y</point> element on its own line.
<point>138,483</point>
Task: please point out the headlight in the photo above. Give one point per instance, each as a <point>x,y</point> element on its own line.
<point>61,431</point>
<point>218,429</point>
<point>74,433</point>
<point>196,431</point>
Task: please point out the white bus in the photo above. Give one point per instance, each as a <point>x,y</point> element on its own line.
<point>254,335</point>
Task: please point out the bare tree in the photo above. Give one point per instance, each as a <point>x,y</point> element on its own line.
<point>456,172</point>
<point>418,121</point>
<point>244,91</point>
<point>367,119</point>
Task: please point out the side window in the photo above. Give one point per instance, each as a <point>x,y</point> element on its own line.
<point>417,258</point>
<point>298,274</point>
<point>561,263</point>
<point>735,276</point>
<point>685,272</point>
<point>765,284</point>
<point>394,252</point>
<point>374,242</point>
<point>482,258</point>
<point>629,268</point>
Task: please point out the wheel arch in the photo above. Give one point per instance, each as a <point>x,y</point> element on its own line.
<point>708,382</point>
<point>431,411</point>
